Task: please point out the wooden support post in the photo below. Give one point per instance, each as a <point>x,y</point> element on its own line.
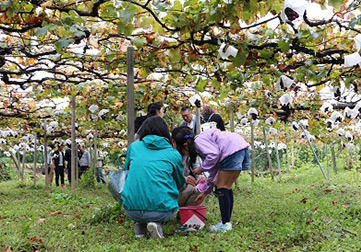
<point>74,166</point>
<point>23,165</point>
<point>252,152</point>
<point>198,120</point>
<point>35,158</point>
<point>231,117</point>
<point>328,167</point>
<point>46,155</point>
<point>334,164</point>
<point>95,153</point>
<point>130,94</point>
<point>268,155</point>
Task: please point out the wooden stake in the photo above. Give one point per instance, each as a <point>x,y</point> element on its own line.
<point>198,120</point>
<point>328,167</point>
<point>95,153</point>
<point>74,147</point>
<point>252,152</point>
<point>268,155</point>
<point>231,117</point>
<point>23,165</point>
<point>46,155</point>
<point>334,164</point>
<point>130,94</point>
<point>35,158</point>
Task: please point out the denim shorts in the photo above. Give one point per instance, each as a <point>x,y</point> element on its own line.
<point>147,216</point>
<point>238,161</point>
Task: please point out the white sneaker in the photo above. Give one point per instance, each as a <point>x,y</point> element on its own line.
<point>214,228</point>
<point>155,230</point>
<point>225,227</point>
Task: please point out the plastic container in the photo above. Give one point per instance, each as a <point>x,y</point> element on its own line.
<point>193,216</point>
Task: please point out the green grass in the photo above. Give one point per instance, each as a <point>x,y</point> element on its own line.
<point>299,211</point>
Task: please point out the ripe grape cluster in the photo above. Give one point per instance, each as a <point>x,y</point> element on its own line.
<point>291,14</point>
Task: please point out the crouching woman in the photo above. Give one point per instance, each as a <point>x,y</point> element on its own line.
<point>150,195</point>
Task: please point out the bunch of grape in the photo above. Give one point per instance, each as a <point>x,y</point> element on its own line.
<point>291,14</point>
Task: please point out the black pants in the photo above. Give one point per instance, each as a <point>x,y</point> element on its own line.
<point>82,169</point>
<point>69,173</point>
<point>59,171</point>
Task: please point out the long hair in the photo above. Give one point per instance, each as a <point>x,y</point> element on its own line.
<point>182,135</point>
<point>154,125</point>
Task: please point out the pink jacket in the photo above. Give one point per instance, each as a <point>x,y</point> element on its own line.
<point>213,146</point>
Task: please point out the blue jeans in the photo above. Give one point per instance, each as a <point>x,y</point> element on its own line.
<point>100,176</point>
<point>147,216</point>
<point>238,161</point>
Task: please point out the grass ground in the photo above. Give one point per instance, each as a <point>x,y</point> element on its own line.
<point>299,211</point>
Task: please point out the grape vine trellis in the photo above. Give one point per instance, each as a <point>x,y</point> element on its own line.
<point>55,48</point>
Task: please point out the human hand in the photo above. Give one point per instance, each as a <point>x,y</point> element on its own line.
<point>197,171</point>
<point>200,198</point>
<point>190,180</point>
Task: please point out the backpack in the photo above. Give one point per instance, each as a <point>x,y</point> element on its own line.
<point>206,125</point>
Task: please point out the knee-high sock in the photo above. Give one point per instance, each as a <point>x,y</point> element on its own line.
<point>224,204</point>
<point>231,199</point>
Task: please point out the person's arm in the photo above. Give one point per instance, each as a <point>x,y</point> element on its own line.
<point>209,150</point>
<point>178,173</point>
<point>127,159</point>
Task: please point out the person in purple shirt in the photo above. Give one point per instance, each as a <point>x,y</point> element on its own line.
<point>225,155</point>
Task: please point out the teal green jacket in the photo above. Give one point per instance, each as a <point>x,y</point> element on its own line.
<point>155,176</point>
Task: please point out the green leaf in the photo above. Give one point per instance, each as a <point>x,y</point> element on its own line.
<point>64,42</point>
<point>126,16</point>
<point>201,84</point>
<point>139,42</point>
<point>240,59</point>
<point>41,31</point>
<point>283,45</point>
<point>175,55</point>
<point>266,53</point>
<point>335,3</point>
<point>216,83</point>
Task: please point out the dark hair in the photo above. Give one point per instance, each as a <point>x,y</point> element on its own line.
<point>154,125</point>
<point>182,135</point>
<point>185,108</point>
<point>153,108</point>
<point>207,110</point>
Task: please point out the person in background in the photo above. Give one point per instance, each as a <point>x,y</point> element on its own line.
<point>99,166</point>
<point>84,159</point>
<point>155,176</point>
<point>225,155</point>
<point>59,164</point>
<point>50,166</point>
<point>67,158</point>
<point>154,109</point>
<point>189,119</point>
<point>187,195</point>
<point>208,115</point>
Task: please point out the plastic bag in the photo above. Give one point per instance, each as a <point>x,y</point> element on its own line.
<point>116,183</point>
